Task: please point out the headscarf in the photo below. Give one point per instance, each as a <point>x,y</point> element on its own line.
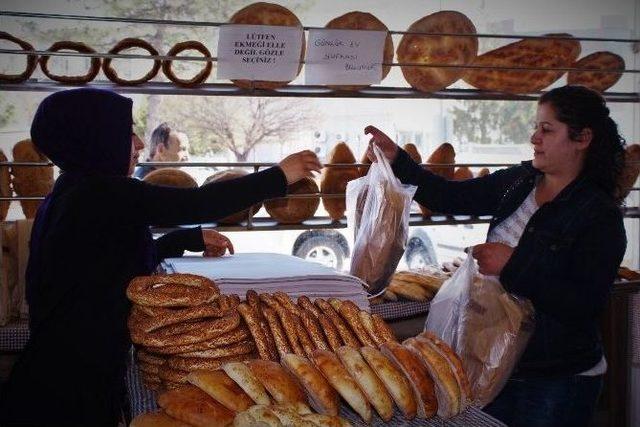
<point>85,132</point>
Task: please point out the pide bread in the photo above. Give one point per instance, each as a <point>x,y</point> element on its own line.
<point>437,50</point>
<point>295,210</point>
<point>156,419</point>
<point>322,397</point>
<point>533,53</point>
<point>593,79</point>
<point>263,13</point>
<point>367,380</point>
<point>447,389</point>
<point>418,376</point>
<point>334,180</point>
<point>364,21</point>
<point>195,407</point>
<point>226,175</point>
<point>456,367</point>
<point>170,177</point>
<point>257,416</point>
<point>242,375</point>
<point>289,417</point>
<point>393,379</point>
<point>30,181</point>
<point>282,387</point>
<point>340,379</point>
<point>222,388</point>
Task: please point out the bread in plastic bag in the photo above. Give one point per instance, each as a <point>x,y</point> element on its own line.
<point>486,326</point>
<point>378,206</point>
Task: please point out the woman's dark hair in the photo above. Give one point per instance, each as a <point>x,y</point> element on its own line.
<point>160,135</point>
<point>579,108</point>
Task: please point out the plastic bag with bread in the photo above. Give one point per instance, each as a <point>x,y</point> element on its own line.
<point>486,326</point>
<point>378,207</point>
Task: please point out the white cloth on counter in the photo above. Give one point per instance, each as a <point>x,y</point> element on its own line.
<point>271,272</point>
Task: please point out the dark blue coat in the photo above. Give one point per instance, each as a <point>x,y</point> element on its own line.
<point>565,262</point>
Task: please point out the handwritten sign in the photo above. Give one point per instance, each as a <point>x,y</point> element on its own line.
<point>259,52</point>
<point>344,57</point>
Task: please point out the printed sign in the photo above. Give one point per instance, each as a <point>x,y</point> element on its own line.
<point>344,57</point>
<point>259,52</point>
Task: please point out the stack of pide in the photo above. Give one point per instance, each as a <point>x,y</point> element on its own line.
<point>223,361</point>
<point>417,285</point>
<point>422,377</point>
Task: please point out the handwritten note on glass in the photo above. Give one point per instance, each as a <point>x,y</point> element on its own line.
<point>344,57</point>
<point>259,52</point>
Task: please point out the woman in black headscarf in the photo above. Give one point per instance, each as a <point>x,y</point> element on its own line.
<point>89,239</point>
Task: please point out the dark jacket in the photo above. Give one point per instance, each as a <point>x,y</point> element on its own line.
<point>90,238</point>
<point>565,262</point>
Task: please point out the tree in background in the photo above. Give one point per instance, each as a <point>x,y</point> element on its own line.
<point>239,124</point>
<point>7,112</point>
<point>489,122</point>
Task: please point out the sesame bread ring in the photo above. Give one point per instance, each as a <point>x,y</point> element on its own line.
<point>199,78</point>
<point>32,60</point>
<point>78,47</point>
<point>124,44</point>
<point>172,290</point>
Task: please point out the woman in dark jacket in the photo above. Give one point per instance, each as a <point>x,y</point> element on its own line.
<point>557,238</point>
<point>89,239</point>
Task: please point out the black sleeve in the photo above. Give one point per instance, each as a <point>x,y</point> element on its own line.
<point>173,244</point>
<point>478,196</point>
<point>582,291</point>
<point>139,203</point>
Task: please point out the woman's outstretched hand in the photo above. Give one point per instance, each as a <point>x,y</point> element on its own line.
<point>215,244</point>
<point>384,143</point>
<point>300,165</point>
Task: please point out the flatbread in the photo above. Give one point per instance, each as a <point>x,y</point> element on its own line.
<point>538,53</point>
<point>593,79</point>
<point>449,50</point>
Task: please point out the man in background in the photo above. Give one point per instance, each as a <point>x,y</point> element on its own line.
<point>166,145</point>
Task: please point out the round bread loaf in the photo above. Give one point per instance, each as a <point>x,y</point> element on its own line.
<point>226,175</point>
<point>445,50</point>
<point>334,180</point>
<point>363,21</point>
<point>30,181</point>
<point>171,177</point>
<point>263,13</point>
<point>5,187</point>
<point>462,174</point>
<point>593,79</point>
<point>295,210</point>
<point>444,154</point>
<point>413,152</point>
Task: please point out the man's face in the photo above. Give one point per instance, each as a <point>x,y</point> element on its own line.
<point>177,149</point>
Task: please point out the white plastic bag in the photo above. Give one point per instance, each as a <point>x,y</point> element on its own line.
<point>378,206</point>
<point>486,326</point>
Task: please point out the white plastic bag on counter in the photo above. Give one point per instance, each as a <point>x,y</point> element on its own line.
<point>487,327</point>
<point>378,207</point>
